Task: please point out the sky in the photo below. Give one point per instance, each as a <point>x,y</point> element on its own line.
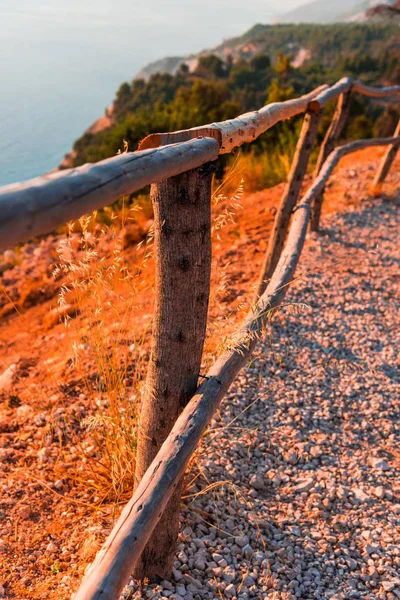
<point>61,62</point>
<point>163,27</point>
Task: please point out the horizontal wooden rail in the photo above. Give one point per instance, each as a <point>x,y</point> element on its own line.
<point>235,132</point>
<point>342,86</point>
<point>115,561</point>
<point>40,205</point>
<point>246,128</point>
<point>375,92</point>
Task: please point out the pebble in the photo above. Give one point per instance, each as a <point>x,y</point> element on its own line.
<point>304,486</point>
<point>51,548</point>
<point>378,463</point>
<point>241,541</point>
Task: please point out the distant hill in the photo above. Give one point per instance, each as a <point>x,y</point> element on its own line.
<point>321,11</point>
<point>304,43</point>
<point>389,12</point>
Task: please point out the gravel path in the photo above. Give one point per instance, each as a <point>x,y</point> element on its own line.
<point>300,495</point>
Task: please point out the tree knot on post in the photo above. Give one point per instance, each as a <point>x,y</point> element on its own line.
<point>208,169</point>
<point>180,336</point>
<point>184,263</point>
<point>166,229</point>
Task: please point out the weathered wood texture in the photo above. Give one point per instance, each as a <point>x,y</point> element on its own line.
<point>182,249</point>
<point>40,205</point>
<point>235,132</point>
<point>387,161</point>
<point>289,199</point>
<point>115,561</point>
<point>374,92</point>
<point>340,87</point>
<point>335,129</point>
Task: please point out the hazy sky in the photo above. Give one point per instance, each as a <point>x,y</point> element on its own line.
<point>161,26</point>
<point>61,62</point>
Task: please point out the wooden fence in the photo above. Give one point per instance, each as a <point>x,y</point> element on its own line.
<point>175,412</point>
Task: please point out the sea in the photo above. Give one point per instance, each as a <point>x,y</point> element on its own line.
<point>61,62</point>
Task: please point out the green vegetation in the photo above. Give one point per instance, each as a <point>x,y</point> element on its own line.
<point>259,70</point>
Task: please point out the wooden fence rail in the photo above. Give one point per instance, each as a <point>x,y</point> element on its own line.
<point>116,560</point>
<point>40,205</point>
<point>179,166</point>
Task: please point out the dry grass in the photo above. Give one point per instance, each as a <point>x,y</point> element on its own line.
<point>110,356</point>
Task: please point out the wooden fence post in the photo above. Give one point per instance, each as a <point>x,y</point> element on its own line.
<point>182,240</point>
<point>386,162</point>
<point>335,129</point>
<point>290,196</point>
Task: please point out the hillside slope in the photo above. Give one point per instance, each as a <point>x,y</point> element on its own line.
<point>320,11</point>
<point>323,42</point>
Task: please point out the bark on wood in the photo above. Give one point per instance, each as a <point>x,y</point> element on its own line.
<point>182,245</point>
<point>289,199</point>
<point>40,205</point>
<point>340,87</point>
<point>335,129</point>
<point>235,132</point>
<point>374,92</point>
<point>114,562</point>
<point>387,161</point>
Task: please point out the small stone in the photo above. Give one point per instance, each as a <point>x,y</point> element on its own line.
<point>6,378</point>
<point>277,480</point>
<point>249,581</point>
<point>257,482</point>
<point>230,590</point>
<point>389,586</point>
<point>200,564</point>
<point>247,550</point>
<point>241,541</point>
<point>292,457</point>
<point>378,463</point>
<point>379,492</point>
<point>51,548</point>
<point>360,495</point>
<point>305,485</point>
<point>181,589</point>
<point>177,574</point>
<point>43,454</point>
<point>58,484</point>
<point>352,564</point>
<point>167,585</point>
<point>25,512</point>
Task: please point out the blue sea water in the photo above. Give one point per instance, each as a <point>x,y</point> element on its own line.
<point>61,62</point>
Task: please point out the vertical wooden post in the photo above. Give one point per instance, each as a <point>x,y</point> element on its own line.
<point>290,196</point>
<point>182,246</point>
<point>335,129</point>
<point>386,162</point>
